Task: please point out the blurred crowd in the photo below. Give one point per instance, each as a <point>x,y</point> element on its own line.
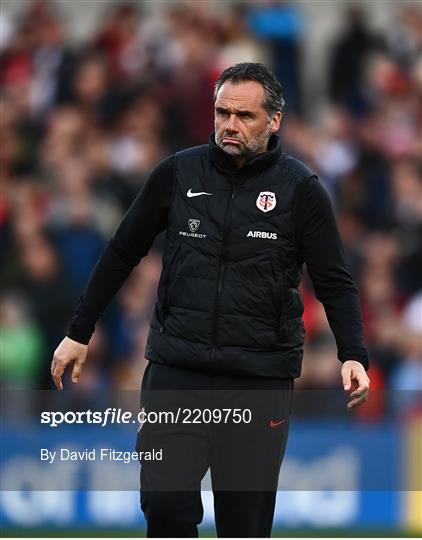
<point>82,125</point>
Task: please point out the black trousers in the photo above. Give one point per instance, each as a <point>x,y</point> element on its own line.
<point>236,427</point>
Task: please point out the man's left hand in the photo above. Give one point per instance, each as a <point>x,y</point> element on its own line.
<point>355,378</point>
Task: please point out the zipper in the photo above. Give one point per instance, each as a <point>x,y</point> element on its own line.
<point>222,265</point>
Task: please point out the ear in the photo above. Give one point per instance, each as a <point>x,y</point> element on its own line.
<point>276,121</point>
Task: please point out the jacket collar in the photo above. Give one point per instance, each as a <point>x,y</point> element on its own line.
<point>226,163</point>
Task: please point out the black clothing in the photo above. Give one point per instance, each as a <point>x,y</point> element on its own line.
<point>244,458</point>
<point>245,514</point>
<point>228,299</point>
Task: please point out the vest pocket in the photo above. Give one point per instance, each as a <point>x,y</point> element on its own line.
<point>297,330</point>
<point>291,330</point>
<point>291,324</point>
<point>284,329</point>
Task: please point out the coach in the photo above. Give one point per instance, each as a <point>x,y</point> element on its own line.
<point>241,219</point>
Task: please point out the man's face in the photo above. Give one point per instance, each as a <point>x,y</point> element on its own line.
<point>242,125</point>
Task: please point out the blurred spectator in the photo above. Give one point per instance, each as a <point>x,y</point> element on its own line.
<point>46,287</point>
<point>404,40</point>
<point>349,56</point>
<point>64,137</point>
<point>406,380</point>
<point>91,88</point>
<point>120,41</point>
<point>21,343</point>
<point>192,84</point>
<point>336,151</point>
<point>130,334</point>
<point>237,45</point>
<point>52,62</point>
<point>280,26</point>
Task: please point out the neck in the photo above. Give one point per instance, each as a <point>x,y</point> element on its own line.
<point>241,160</point>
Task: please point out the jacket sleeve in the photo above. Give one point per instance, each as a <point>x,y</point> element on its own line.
<point>322,251</point>
<point>144,220</point>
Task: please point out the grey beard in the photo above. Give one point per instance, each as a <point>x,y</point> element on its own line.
<point>255,145</point>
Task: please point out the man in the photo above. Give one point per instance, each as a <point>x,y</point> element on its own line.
<point>241,218</point>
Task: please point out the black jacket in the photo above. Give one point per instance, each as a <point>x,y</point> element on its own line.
<point>228,298</point>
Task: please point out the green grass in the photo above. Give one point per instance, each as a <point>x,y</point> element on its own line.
<point>209,533</point>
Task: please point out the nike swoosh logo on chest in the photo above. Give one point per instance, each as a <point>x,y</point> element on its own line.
<point>190,193</point>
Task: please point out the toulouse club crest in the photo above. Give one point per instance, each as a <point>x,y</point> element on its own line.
<point>266,201</point>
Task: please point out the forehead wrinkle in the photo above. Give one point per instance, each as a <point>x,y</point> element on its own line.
<point>234,105</point>
<point>238,97</point>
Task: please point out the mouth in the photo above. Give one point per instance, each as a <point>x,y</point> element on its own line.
<point>229,140</point>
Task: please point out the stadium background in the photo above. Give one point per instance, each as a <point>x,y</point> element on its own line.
<point>94,94</point>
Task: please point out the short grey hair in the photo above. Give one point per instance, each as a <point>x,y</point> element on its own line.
<point>254,71</point>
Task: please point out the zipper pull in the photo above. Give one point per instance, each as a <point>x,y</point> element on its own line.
<point>234,192</point>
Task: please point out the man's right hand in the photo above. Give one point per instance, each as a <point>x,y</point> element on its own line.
<point>68,352</point>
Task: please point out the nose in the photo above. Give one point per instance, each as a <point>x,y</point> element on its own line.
<point>231,125</point>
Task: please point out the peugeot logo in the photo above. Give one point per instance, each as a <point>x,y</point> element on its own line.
<point>194,224</point>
